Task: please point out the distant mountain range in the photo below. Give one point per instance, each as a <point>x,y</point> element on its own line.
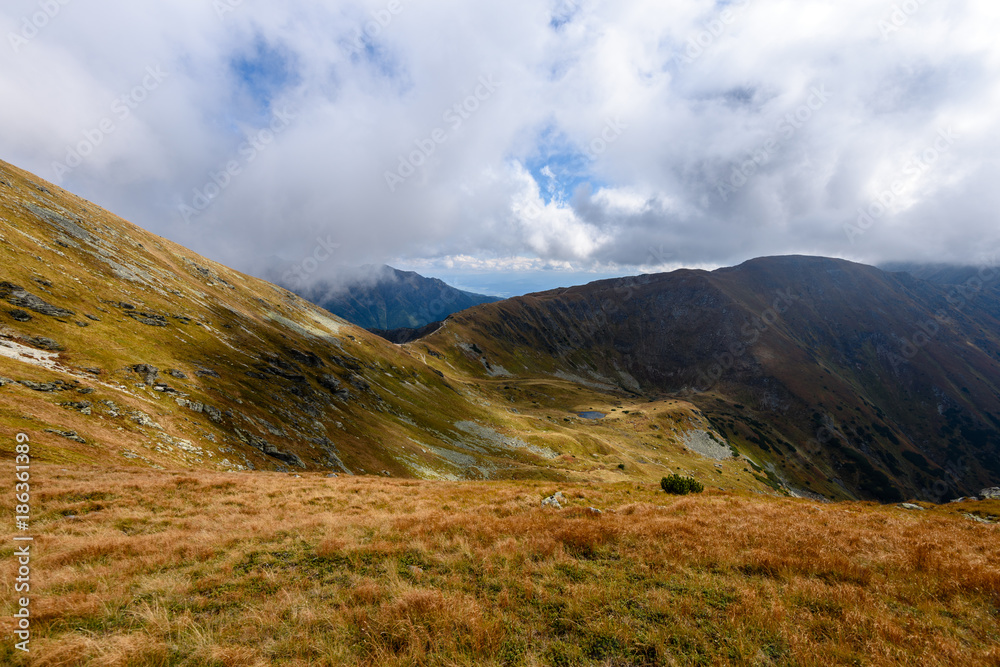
<point>382,298</point>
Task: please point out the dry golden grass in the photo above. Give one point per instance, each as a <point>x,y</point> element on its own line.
<point>136,567</point>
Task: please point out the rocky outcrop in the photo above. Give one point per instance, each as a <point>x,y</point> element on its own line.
<point>333,384</point>
<point>18,296</point>
<point>992,493</point>
<point>43,343</point>
<point>267,448</point>
<point>69,435</point>
<point>83,407</point>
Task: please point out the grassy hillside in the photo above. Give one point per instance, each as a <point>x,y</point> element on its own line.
<point>121,348</point>
<point>142,567</point>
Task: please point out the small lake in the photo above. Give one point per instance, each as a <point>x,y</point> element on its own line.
<point>591,415</point>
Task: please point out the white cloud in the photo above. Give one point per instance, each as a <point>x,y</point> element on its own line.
<point>649,197</point>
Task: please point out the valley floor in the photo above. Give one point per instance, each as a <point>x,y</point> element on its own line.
<point>143,567</point>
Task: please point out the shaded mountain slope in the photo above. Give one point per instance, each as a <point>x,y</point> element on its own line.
<point>841,375</point>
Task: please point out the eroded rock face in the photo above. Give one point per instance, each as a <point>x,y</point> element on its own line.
<point>992,493</point>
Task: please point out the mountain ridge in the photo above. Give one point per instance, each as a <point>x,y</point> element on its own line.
<point>385,298</point>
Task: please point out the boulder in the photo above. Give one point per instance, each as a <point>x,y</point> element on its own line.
<point>992,493</point>
<point>555,500</point>
<point>149,373</point>
<point>215,414</point>
<point>910,506</point>
<point>20,315</point>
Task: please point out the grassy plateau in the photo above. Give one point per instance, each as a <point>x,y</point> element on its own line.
<point>135,566</point>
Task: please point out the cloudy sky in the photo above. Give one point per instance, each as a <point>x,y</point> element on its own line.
<point>517,144</point>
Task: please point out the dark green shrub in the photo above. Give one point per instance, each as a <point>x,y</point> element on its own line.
<point>680,486</point>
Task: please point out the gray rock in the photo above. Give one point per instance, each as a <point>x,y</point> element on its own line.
<point>333,384</point>
<point>20,297</point>
<point>149,319</point>
<point>267,448</point>
<point>83,407</point>
<point>85,390</point>
<point>93,318</point>
<point>173,372</point>
<point>977,519</point>
<point>42,386</point>
<point>204,372</point>
<point>20,316</point>
<point>215,414</point>
<point>992,493</point>
<point>910,506</point>
<point>333,474</point>
<point>148,373</point>
<point>43,343</point>
<point>69,435</point>
<point>142,419</point>
<point>60,221</point>
<point>112,408</point>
